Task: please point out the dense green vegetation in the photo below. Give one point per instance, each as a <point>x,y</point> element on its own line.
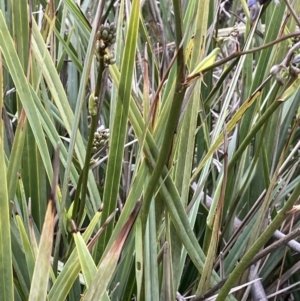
<point>149,150</point>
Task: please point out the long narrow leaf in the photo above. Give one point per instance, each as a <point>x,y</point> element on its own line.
<point>40,278</point>
<point>6,273</point>
<point>107,266</point>
<point>118,135</point>
<point>14,66</point>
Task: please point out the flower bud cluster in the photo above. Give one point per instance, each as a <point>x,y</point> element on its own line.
<point>106,38</point>
<point>100,138</point>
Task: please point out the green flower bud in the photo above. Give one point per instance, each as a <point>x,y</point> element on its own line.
<point>104,34</point>
<point>112,26</point>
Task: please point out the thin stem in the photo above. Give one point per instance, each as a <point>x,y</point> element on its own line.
<point>86,168</point>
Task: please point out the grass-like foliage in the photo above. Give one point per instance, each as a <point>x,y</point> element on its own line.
<point>149,150</point>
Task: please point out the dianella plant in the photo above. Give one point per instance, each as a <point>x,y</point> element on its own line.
<point>149,150</point>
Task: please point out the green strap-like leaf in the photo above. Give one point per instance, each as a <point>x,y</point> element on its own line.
<point>88,266</point>
<point>6,274</point>
<point>40,279</point>
<point>23,90</point>
<point>119,129</point>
